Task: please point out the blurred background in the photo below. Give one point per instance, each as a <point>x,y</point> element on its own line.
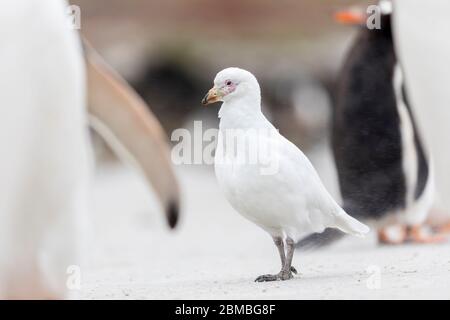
<point>170,52</point>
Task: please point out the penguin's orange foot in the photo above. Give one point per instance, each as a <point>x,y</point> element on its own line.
<point>415,234</point>
<point>385,238</point>
<point>443,229</point>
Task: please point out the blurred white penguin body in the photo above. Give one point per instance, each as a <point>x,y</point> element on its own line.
<point>286,198</point>
<point>47,92</point>
<point>45,155</point>
<point>427,83</point>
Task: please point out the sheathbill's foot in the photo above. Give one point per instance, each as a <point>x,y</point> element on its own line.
<point>281,276</point>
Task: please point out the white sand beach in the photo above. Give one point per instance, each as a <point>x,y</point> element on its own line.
<point>217,254</point>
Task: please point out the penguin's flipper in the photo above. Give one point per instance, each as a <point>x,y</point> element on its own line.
<point>126,122</point>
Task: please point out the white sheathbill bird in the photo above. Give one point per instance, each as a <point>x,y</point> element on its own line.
<point>284,196</point>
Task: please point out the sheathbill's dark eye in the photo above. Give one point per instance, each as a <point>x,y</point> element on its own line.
<point>228,83</point>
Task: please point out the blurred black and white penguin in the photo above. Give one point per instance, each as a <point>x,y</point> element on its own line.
<point>385,174</point>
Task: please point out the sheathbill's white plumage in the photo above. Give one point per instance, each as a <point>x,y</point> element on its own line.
<point>264,176</point>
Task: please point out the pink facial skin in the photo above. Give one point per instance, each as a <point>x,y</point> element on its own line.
<point>228,87</point>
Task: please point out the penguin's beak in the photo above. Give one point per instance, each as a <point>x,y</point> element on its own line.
<point>213,95</point>
<point>351,16</point>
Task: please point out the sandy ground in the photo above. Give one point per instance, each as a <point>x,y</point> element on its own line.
<point>216,254</point>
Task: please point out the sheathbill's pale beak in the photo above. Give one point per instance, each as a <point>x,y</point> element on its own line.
<point>213,95</point>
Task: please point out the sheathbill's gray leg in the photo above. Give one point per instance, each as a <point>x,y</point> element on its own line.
<point>286,271</point>
<point>286,268</point>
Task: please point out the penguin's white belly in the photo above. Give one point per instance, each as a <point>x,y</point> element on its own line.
<point>427,83</point>
<point>416,210</point>
<point>44,160</point>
